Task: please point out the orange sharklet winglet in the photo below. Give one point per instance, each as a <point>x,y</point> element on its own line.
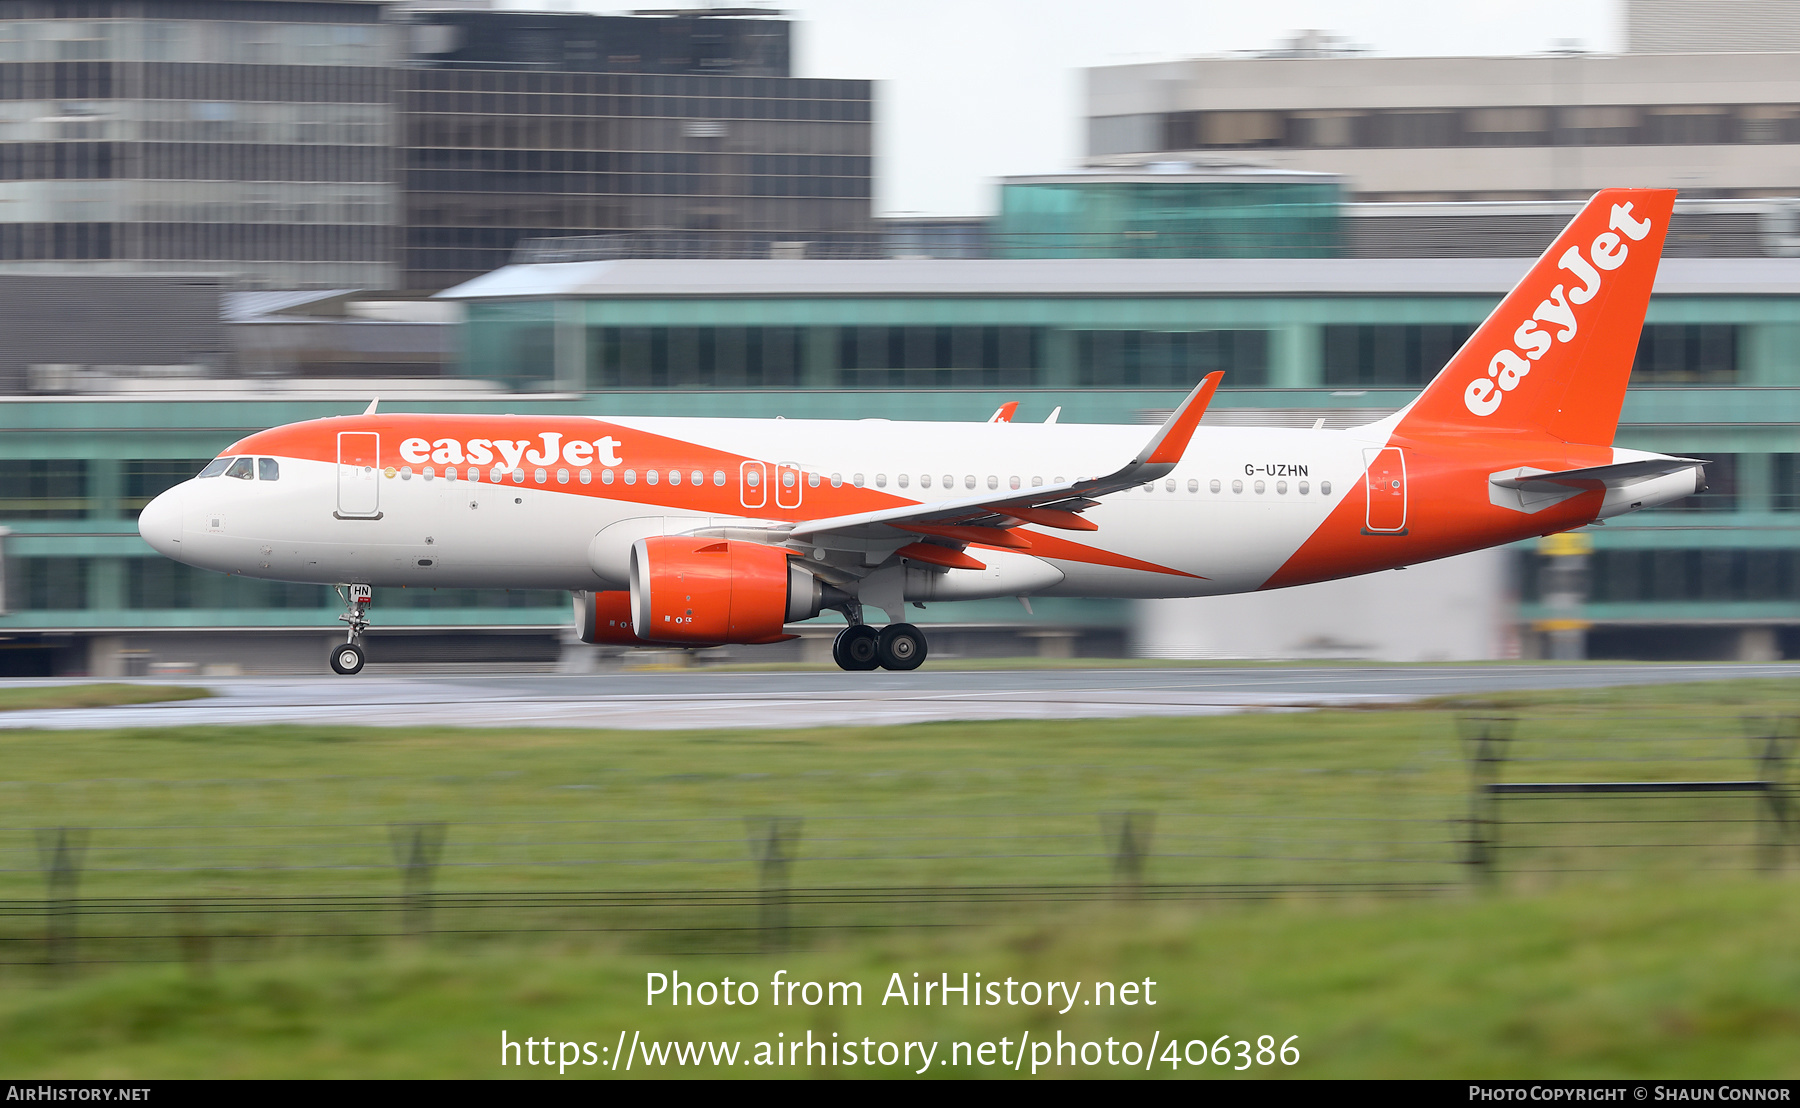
<point>1171,442</point>
<point>938,556</point>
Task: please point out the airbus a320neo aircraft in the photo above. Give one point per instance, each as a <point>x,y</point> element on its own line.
<point>702,532</point>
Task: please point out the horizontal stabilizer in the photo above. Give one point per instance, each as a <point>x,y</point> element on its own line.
<point>1592,476</point>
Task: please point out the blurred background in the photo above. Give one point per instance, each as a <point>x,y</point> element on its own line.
<point>222,215</point>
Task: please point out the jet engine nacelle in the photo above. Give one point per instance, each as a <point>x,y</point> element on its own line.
<point>715,591</point>
<point>604,618</point>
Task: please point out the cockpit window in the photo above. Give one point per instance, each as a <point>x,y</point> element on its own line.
<point>215,467</point>
<point>243,468</point>
<point>267,469</point>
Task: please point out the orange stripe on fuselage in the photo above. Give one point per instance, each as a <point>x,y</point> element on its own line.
<point>316,440</point>
<point>639,451</point>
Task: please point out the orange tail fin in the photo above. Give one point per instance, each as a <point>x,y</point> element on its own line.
<point>1555,356</point>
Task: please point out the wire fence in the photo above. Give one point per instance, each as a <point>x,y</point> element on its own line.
<point>231,869</point>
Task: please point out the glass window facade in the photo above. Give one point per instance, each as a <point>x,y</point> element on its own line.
<point>1587,125</point>
<point>47,488</point>
<point>49,584</point>
<point>1686,353</point>
<point>939,357</point>
<point>207,135</point>
<point>1171,359</point>
<point>1389,354</point>
<point>650,164</point>
<point>1147,218</point>
<point>1677,574</point>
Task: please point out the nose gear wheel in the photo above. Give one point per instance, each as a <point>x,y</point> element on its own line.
<point>347,659</point>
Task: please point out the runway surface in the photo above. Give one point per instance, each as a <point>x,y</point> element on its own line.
<point>698,699</point>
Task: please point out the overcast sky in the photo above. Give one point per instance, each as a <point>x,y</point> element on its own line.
<point>973,90</point>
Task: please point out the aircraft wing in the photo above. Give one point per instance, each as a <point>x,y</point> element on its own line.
<point>986,518</point>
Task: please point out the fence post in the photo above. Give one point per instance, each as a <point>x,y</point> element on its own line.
<point>195,943</point>
<point>1484,740</point>
<point>417,847</point>
<point>1128,835</point>
<point>772,843</point>
<point>60,853</point>
<point>1772,742</point>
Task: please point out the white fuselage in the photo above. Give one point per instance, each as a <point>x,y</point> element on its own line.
<point>1237,506</point>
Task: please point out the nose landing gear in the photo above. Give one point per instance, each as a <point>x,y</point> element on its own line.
<point>898,646</point>
<point>348,658</point>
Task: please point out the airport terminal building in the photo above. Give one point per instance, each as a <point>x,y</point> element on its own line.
<point>1105,340</point>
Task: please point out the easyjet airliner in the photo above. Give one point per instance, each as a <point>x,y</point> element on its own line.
<point>702,532</point>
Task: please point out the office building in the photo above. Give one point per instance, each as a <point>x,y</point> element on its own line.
<point>333,144</point>
<point>221,137</point>
<point>651,136</point>
<point>1549,127</point>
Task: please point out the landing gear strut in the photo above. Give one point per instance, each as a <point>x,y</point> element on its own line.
<point>898,646</point>
<point>348,658</point>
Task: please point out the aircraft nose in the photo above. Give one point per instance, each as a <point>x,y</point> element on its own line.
<point>160,523</point>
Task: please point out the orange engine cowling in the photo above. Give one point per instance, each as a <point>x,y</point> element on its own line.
<point>605,618</point>
<point>692,590</point>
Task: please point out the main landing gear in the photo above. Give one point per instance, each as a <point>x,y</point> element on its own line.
<point>347,659</point>
<point>897,646</point>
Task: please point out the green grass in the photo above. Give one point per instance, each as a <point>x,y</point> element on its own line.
<point>1625,938</point>
<point>1695,980</point>
<point>1261,797</point>
<point>17,699</point>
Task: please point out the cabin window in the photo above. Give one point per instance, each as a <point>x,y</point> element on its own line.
<point>244,469</point>
<point>268,469</point>
<point>215,467</point>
